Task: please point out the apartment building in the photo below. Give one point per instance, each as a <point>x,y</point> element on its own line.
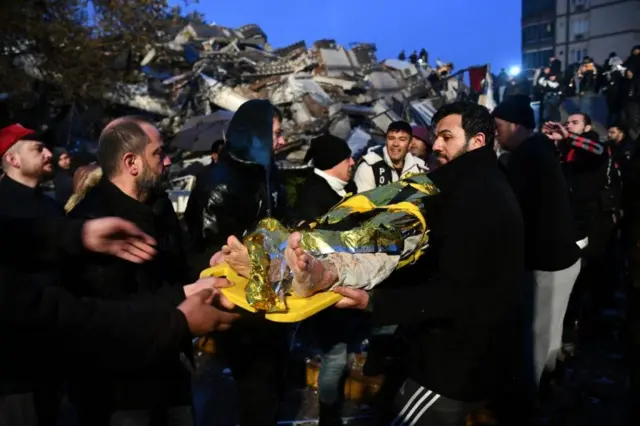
<point>596,28</point>
<point>538,32</point>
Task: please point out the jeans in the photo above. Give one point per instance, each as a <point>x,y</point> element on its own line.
<point>338,332</point>
<point>332,370</point>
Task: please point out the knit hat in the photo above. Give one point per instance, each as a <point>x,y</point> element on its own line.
<point>327,151</point>
<point>12,134</point>
<point>422,133</point>
<point>516,109</point>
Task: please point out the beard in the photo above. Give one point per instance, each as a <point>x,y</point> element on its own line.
<point>442,158</point>
<point>151,183</point>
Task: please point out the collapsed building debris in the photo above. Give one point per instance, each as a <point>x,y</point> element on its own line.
<point>197,69</point>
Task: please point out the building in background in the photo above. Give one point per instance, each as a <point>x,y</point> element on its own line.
<point>596,28</point>
<point>538,32</point>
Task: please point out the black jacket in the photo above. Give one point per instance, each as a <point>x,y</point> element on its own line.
<point>23,202</point>
<point>457,304</point>
<point>244,186</point>
<point>44,328</point>
<point>537,180</point>
<point>20,201</point>
<point>158,281</point>
<point>316,198</point>
<point>63,185</point>
<point>587,169</point>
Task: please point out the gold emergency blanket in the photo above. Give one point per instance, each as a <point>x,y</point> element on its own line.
<point>378,221</point>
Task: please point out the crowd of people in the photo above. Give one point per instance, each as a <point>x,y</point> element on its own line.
<point>522,236</point>
<point>615,78</point>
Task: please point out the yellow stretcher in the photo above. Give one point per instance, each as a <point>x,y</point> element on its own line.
<point>299,308</point>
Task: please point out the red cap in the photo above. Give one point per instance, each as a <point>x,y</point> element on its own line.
<point>12,134</point>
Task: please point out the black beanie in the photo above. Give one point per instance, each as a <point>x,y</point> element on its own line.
<point>516,109</point>
<point>327,151</point>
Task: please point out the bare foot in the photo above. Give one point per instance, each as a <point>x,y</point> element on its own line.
<point>310,275</point>
<point>236,255</point>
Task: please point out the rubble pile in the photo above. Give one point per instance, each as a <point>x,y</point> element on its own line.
<point>197,69</point>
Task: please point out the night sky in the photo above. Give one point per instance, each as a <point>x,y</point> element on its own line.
<point>465,32</point>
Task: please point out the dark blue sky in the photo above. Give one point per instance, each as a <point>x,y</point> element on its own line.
<point>465,32</point>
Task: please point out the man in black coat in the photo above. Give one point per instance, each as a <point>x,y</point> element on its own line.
<point>331,178</point>
<point>552,256</point>
<point>457,305</point>
<point>123,336</point>
<point>133,165</point>
<point>27,162</point>
<point>243,188</point>
<point>594,184</point>
<point>335,330</point>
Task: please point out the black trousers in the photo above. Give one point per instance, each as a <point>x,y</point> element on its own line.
<point>415,405</point>
<point>257,353</point>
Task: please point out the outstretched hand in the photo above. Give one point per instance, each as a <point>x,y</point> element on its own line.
<point>118,237</point>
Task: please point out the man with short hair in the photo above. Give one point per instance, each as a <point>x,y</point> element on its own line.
<point>595,197</point>
<point>131,154</point>
<point>388,163</point>
<point>456,306</point>
<point>26,162</point>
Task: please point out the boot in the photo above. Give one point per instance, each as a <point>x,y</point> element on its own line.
<point>330,414</point>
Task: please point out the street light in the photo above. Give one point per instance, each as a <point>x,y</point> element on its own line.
<point>514,71</point>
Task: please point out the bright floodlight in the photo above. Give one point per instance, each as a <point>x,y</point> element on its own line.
<point>514,70</point>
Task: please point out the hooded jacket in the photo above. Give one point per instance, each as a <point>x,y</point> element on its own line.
<point>244,186</point>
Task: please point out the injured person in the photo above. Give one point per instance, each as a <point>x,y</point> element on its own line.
<point>357,244</point>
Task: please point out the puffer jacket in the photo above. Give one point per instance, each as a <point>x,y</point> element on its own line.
<point>244,186</point>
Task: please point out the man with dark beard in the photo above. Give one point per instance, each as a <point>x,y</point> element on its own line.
<point>133,162</point>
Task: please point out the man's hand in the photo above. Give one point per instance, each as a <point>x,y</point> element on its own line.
<point>118,237</point>
<point>206,283</point>
<point>555,131</point>
<point>352,298</point>
<point>204,318</point>
<point>217,258</point>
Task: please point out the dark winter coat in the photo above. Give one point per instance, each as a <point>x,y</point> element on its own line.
<point>159,282</point>
<point>458,303</point>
